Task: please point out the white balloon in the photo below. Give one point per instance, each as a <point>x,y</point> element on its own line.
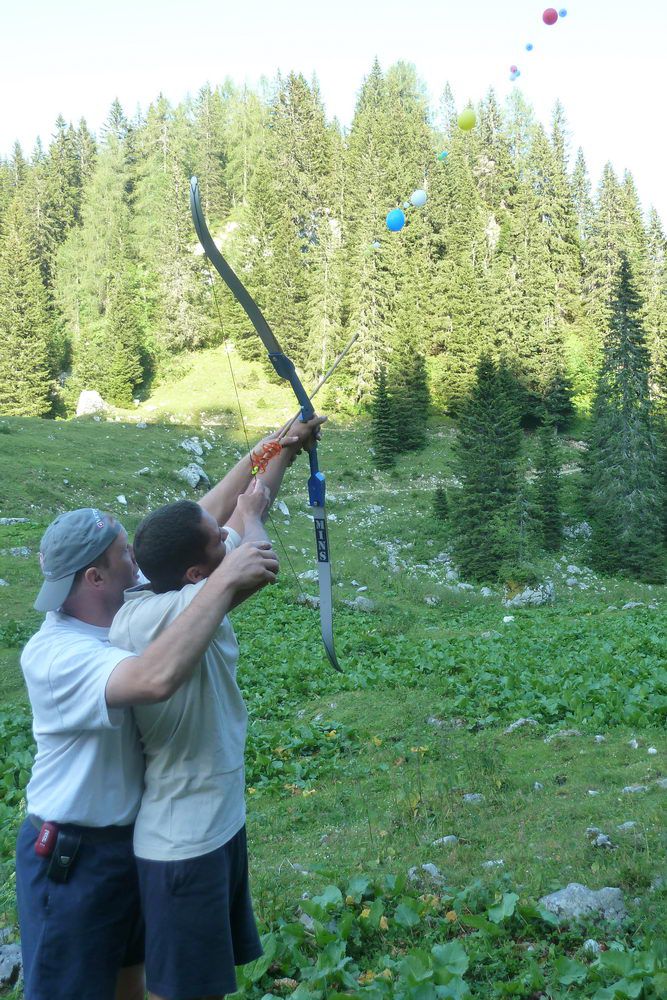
<point>418,198</point>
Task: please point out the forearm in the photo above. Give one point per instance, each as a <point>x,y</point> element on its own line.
<point>221,500</point>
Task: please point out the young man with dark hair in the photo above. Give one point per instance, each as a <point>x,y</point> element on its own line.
<point>77,891</point>
<point>189,836</point>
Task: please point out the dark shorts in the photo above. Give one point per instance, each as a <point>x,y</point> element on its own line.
<point>199,921</point>
<point>77,935</point>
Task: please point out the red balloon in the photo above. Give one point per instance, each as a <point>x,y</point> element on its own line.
<point>513,69</point>
<point>550,15</point>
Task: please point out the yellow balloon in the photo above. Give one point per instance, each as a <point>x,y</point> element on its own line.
<point>467,120</point>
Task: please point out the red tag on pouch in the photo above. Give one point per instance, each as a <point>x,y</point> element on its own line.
<point>46,839</point>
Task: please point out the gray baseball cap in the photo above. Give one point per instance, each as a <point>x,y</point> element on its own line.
<point>69,543</point>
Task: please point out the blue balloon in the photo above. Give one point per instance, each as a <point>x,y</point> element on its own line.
<point>562,13</point>
<point>529,47</point>
<point>443,155</point>
<point>395,220</point>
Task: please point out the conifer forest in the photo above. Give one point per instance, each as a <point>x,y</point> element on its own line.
<point>523,295</point>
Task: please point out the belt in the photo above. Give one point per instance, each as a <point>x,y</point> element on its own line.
<point>90,834</point>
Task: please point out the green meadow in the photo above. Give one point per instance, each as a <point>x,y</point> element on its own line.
<point>356,780</point>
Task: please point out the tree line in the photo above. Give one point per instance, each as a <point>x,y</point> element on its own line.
<point>513,256</point>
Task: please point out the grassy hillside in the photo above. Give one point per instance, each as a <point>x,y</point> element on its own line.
<point>353,780</point>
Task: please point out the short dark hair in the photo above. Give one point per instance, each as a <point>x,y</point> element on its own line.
<point>168,541</point>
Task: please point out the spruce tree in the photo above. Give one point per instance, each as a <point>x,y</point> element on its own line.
<point>383,428</point>
<point>625,492</point>
<point>486,451</point>
<point>441,504</point>
<point>548,487</point>
<point>25,325</point>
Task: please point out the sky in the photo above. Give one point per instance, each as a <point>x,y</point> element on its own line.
<point>605,61</point>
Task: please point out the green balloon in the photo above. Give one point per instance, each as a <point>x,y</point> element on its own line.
<point>467,120</point>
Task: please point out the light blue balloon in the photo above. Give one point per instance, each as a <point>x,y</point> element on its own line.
<point>418,198</point>
<point>529,47</point>
<point>395,220</point>
<point>443,155</point>
<point>376,245</point>
<point>562,13</point>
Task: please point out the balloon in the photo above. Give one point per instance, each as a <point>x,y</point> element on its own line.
<point>443,155</point>
<point>562,12</point>
<point>418,198</point>
<point>550,15</point>
<point>376,245</point>
<point>467,120</point>
<point>529,47</point>
<point>513,69</point>
<point>406,204</point>
<point>518,73</point>
<point>395,220</point>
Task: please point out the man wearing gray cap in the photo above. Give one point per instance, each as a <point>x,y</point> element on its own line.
<point>77,893</point>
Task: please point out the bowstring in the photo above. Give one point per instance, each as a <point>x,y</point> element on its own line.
<point>274,526</point>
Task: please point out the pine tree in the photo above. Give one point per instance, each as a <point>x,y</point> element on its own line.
<point>626,495</point>
<point>441,504</point>
<point>548,487</point>
<point>486,452</point>
<point>383,433</point>
<point>25,326</point>
<point>656,308</point>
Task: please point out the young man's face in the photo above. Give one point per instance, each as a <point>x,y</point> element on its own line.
<point>215,545</point>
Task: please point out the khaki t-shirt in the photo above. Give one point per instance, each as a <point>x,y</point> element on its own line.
<point>193,799</point>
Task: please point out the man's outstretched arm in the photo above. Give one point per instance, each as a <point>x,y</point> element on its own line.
<point>169,661</point>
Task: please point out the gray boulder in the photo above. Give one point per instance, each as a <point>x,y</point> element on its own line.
<point>193,474</point>
<point>90,402</point>
<point>576,901</point>
<point>10,964</point>
<point>533,597</point>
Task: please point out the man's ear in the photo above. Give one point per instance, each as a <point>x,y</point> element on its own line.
<point>194,574</point>
<point>93,577</point>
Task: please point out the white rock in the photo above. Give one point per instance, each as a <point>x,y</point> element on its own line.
<point>652,751</point>
<point>633,744</point>
<point>473,798</point>
<point>627,826</point>
<point>538,786</point>
<point>121,499</point>
<point>561,734</point>
<point>90,402</point>
<point>143,472</point>
<point>493,864</point>
<point>465,586</point>
<point>486,592</point>
<point>533,597</point>
<point>572,569</point>
<point>593,791</point>
<point>308,574</point>
<point>3,583</point>
<point>193,474</point>
<point>447,841</point>
<point>591,947</point>
<point>519,724</point>
<point>192,445</point>
<point>632,604</point>
<point>600,739</point>
<point>507,619</point>
<point>576,900</point>
<point>632,789</point>
<point>282,507</point>
<point>661,783</point>
<point>141,426</point>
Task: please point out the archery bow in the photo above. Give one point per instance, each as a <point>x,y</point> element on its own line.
<point>284,367</point>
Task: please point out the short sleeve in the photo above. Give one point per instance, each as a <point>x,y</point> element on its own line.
<point>232,540</point>
<point>77,686</point>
